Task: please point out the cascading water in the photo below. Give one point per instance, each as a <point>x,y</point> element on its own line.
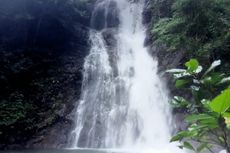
<point>123,104</point>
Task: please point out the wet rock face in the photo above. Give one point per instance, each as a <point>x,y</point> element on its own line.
<point>147,13</point>
<point>111,42</point>
<point>42,24</point>
<point>42,49</point>
<point>105,15</point>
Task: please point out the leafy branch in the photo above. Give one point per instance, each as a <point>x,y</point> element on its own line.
<point>208,116</point>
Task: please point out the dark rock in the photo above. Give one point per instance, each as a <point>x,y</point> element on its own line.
<point>42,49</point>
<point>105,15</point>
<point>109,35</point>
<point>111,42</point>
<point>48,137</point>
<point>147,13</point>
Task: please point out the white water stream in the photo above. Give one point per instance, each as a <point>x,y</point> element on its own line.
<point>128,109</point>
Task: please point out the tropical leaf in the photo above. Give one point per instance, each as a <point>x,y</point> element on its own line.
<point>196,128</point>
<point>181,83</point>
<point>179,102</point>
<point>192,65</point>
<point>181,135</point>
<point>213,66</point>
<point>224,80</point>
<point>227,121</point>
<point>188,145</point>
<point>198,117</point>
<point>221,103</point>
<point>212,79</point>
<point>176,71</point>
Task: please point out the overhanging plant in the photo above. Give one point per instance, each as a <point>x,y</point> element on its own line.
<point>208,108</point>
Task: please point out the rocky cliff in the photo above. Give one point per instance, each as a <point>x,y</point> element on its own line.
<point>42,46</point>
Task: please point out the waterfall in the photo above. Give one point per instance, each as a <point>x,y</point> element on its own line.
<point>123,103</point>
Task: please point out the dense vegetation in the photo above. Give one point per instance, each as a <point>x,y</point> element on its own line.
<point>200,28</point>
<point>207,111</point>
<point>42,47</point>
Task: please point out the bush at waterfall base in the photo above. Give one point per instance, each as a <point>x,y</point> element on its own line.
<point>208,108</point>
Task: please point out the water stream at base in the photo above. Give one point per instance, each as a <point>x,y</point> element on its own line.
<point>123,104</point>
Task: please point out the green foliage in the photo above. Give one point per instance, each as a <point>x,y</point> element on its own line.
<point>179,102</point>
<point>221,103</point>
<point>12,111</point>
<point>192,66</point>
<point>161,9</point>
<point>28,103</point>
<point>208,111</point>
<point>200,27</point>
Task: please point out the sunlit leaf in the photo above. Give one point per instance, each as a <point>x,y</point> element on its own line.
<point>192,65</point>
<point>206,103</point>
<point>195,88</point>
<point>179,102</point>
<point>199,69</point>
<point>227,121</point>
<point>221,103</point>
<point>176,70</point>
<point>214,78</point>
<point>193,118</point>
<point>226,114</point>
<point>178,73</point>
<point>213,66</point>
<point>179,136</point>
<point>224,80</point>
<point>196,128</point>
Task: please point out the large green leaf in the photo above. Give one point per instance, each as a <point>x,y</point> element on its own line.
<point>179,136</point>
<point>197,128</point>
<point>213,79</point>
<point>224,80</point>
<point>213,66</point>
<point>176,71</point>
<point>227,121</point>
<point>181,83</point>
<point>188,145</point>
<point>192,65</point>
<point>194,118</point>
<point>221,103</point>
<point>227,114</point>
